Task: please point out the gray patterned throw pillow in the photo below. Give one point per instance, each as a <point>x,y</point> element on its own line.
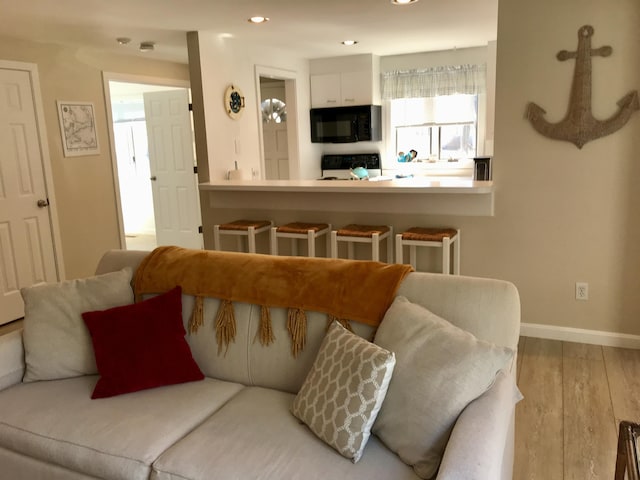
<point>344,390</point>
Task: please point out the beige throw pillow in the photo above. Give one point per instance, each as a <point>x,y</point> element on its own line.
<point>56,340</point>
<point>344,390</point>
<point>440,369</point>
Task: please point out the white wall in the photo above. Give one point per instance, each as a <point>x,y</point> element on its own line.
<point>225,61</point>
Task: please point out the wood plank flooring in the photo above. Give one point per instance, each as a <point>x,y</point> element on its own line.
<point>575,396</point>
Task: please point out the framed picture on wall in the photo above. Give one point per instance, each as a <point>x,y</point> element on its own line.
<point>78,128</point>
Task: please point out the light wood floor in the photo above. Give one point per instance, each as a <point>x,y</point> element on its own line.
<point>575,396</point>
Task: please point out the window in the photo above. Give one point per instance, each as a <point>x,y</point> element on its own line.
<point>438,112</point>
<point>273,110</point>
<point>438,128</point>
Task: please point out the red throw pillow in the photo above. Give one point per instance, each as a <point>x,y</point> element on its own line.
<point>141,346</point>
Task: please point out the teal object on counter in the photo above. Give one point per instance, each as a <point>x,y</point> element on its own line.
<point>360,172</point>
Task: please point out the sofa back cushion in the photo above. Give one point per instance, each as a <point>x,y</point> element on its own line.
<point>249,362</point>
<point>464,301</point>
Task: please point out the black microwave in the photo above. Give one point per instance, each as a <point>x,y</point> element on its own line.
<point>360,123</point>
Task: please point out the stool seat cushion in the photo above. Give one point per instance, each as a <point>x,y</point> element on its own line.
<point>301,227</point>
<point>366,231</point>
<point>244,224</point>
<point>429,234</point>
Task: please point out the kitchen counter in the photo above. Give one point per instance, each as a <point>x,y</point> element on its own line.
<point>424,195</point>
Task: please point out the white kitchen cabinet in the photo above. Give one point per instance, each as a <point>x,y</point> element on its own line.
<point>343,81</point>
<point>326,90</point>
<point>341,89</point>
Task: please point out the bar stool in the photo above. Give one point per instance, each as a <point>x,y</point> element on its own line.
<point>431,237</point>
<point>241,228</point>
<point>300,231</point>
<point>355,233</point>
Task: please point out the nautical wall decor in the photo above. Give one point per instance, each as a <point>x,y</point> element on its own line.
<point>579,126</point>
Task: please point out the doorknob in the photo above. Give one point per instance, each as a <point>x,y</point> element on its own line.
<point>154,178</point>
<point>43,203</point>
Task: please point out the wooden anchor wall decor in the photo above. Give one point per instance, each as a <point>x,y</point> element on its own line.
<point>579,126</point>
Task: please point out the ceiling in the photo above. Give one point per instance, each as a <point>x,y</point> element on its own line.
<point>304,28</point>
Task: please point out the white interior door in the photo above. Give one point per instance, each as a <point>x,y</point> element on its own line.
<point>171,157</point>
<point>26,240</point>
<point>276,150</point>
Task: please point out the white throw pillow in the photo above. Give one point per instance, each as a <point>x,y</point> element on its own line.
<point>344,390</point>
<point>440,370</point>
<point>56,340</point>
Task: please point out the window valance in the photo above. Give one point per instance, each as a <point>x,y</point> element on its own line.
<point>433,82</point>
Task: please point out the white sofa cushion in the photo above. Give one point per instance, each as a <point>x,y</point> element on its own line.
<point>56,422</point>
<point>57,343</point>
<point>254,436</point>
<point>344,390</point>
<point>440,369</point>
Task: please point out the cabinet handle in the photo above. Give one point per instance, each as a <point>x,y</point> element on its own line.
<point>349,99</point>
<point>332,101</point>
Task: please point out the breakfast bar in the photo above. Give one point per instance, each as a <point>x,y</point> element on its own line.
<point>416,195</point>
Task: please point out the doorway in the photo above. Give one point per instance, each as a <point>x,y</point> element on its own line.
<point>154,162</point>
<point>277,104</point>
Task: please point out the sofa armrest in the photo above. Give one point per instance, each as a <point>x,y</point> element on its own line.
<point>481,446</point>
<point>11,359</point>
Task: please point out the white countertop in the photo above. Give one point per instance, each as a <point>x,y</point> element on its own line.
<point>414,185</point>
<point>418,195</point>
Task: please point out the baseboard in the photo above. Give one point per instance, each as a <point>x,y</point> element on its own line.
<point>579,335</point>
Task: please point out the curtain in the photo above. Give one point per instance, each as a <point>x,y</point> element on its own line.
<point>433,82</point>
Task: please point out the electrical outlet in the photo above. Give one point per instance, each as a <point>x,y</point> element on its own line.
<point>582,291</point>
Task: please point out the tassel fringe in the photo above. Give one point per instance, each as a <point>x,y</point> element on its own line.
<point>225,325</point>
<point>342,321</point>
<point>265,331</point>
<point>197,315</point>
<point>297,326</point>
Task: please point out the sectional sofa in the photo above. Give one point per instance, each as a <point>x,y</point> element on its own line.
<point>432,396</point>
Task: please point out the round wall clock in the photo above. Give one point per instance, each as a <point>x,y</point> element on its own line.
<point>233,101</point>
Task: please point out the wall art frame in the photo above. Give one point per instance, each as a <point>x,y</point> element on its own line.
<point>78,128</point>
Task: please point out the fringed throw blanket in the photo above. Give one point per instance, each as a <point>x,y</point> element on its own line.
<point>344,290</point>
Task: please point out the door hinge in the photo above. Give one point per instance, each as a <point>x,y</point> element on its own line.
<point>191,107</point>
<point>200,230</point>
<point>195,169</point>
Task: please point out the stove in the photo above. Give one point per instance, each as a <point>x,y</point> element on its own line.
<point>338,166</point>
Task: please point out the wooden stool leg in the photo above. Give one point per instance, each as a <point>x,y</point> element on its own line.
<point>311,244</point>
<point>446,255</point>
<point>328,234</point>
<point>399,248</point>
<point>334,244</point>
<point>274,241</point>
<point>413,256</point>
<point>294,247</point>
<point>390,245</point>
<point>251,238</point>
<point>350,250</point>
<point>456,253</point>
<point>375,247</point>
<point>216,237</point>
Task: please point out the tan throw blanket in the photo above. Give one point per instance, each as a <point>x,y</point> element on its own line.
<point>345,290</point>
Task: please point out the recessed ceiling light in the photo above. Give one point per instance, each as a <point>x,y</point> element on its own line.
<point>123,40</point>
<point>147,46</point>
<point>403,2</point>
<point>348,43</point>
<point>258,19</point>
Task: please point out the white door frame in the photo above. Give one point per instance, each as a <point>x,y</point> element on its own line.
<point>290,78</point>
<point>32,68</point>
<point>127,78</point>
